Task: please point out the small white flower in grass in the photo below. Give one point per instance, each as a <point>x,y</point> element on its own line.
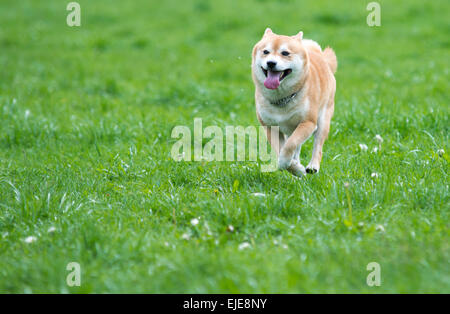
<point>208,230</point>
<point>185,236</point>
<point>375,150</point>
<point>27,113</point>
<point>230,228</point>
<point>284,246</point>
<point>244,246</point>
<point>259,194</point>
<point>441,152</point>
<point>194,221</point>
<point>378,138</point>
<point>51,230</point>
<point>363,147</point>
<point>30,239</point>
<point>374,175</point>
<point>379,228</point>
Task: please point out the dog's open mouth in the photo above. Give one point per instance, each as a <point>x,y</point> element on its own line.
<point>273,78</point>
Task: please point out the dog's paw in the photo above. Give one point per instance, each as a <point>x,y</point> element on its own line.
<point>312,168</point>
<point>284,162</point>
<point>297,169</point>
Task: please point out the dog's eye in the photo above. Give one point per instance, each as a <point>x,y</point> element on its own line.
<point>266,52</point>
<point>285,53</point>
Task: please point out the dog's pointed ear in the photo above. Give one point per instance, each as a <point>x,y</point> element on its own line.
<point>268,32</point>
<point>299,36</point>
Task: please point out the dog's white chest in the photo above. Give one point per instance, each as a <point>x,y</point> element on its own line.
<point>286,118</point>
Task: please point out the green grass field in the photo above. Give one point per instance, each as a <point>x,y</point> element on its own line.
<point>85,138</point>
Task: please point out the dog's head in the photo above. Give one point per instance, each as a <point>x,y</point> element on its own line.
<point>278,61</point>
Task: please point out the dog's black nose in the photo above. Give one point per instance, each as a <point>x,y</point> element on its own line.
<point>271,64</point>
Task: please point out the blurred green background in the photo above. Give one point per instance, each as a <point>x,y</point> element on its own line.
<point>86,115</point>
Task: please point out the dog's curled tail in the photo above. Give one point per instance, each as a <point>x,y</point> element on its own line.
<point>331,59</point>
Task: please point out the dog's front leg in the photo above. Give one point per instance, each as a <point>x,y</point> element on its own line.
<point>287,152</point>
<point>276,139</point>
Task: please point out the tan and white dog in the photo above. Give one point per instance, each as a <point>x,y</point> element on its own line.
<point>294,90</point>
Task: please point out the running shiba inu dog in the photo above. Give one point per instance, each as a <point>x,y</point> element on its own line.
<point>294,90</point>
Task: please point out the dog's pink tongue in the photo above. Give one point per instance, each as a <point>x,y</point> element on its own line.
<point>273,79</point>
